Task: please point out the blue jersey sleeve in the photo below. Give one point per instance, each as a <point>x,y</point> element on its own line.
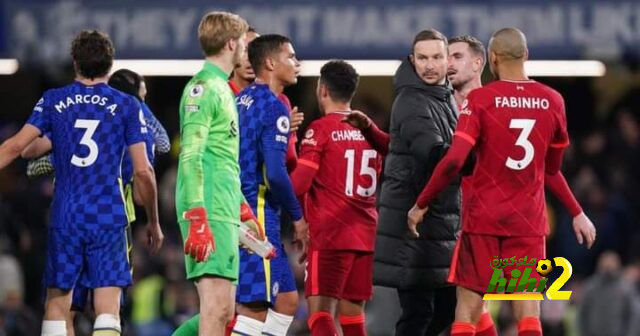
<point>275,126</point>
<point>160,136</point>
<point>40,116</point>
<point>136,129</point>
<point>274,137</point>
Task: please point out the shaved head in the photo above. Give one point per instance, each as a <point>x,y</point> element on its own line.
<point>507,45</point>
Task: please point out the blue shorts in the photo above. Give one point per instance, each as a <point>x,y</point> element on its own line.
<point>82,294</point>
<point>99,255</point>
<point>260,280</point>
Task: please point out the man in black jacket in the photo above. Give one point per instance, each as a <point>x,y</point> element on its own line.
<point>423,118</point>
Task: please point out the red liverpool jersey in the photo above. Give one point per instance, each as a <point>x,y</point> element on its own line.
<point>341,204</point>
<point>512,124</point>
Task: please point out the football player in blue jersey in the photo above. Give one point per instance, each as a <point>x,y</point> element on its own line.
<point>90,126</point>
<point>267,296</point>
<point>156,140</point>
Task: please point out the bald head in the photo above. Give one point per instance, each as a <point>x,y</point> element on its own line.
<point>509,44</point>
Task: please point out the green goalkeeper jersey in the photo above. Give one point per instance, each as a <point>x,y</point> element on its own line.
<point>208,170</point>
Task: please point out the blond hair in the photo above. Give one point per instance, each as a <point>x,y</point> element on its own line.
<point>218,28</point>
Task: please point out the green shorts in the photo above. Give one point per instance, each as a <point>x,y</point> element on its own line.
<point>225,261</point>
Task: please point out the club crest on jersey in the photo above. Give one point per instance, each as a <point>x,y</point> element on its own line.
<point>275,289</point>
<point>197,90</point>
<point>283,124</point>
<point>309,134</point>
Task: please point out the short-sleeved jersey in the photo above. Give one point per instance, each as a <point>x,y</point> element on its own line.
<point>264,127</point>
<point>340,207</point>
<point>149,139</point>
<point>512,124</point>
<point>89,128</point>
<point>208,170</point>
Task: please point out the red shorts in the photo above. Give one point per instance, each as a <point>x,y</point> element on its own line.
<point>471,265</point>
<point>342,274</point>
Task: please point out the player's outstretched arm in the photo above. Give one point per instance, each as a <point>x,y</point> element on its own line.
<point>13,147</point>
<point>145,181</point>
<point>37,148</point>
<point>445,172</point>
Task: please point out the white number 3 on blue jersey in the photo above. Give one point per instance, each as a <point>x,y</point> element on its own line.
<point>90,127</point>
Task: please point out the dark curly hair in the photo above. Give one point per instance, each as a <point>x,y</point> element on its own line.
<point>92,53</point>
<point>341,80</point>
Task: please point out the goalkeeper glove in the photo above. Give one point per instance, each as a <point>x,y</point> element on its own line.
<point>40,167</point>
<point>200,241</point>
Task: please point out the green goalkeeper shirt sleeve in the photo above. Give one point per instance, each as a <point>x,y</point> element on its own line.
<point>197,114</point>
<point>193,145</point>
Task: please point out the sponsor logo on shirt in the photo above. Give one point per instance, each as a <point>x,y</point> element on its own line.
<point>311,142</point>
<point>309,134</point>
<point>464,109</point>
<point>521,281</point>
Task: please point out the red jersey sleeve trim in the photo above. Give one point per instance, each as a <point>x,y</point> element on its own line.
<point>466,137</point>
<point>560,145</point>
<point>308,163</point>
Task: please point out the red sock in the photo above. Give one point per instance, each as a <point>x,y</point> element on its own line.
<point>321,324</point>
<point>529,326</point>
<point>230,325</point>
<point>463,329</point>
<point>485,326</point>
<point>352,325</point>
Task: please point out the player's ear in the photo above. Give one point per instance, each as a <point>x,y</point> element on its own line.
<point>412,59</point>
<point>493,57</point>
<point>526,54</point>
<point>231,45</point>
<point>270,63</point>
<point>477,64</point>
<point>323,90</point>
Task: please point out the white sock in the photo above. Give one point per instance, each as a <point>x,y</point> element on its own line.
<point>276,324</point>
<point>248,326</point>
<point>106,324</point>
<point>54,328</point>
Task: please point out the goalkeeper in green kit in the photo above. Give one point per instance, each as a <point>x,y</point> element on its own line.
<point>209,198</point>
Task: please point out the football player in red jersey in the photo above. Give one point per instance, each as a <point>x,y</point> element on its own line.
<point>466,61</point>
<point>518,129</point>
<point>338,170</point>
